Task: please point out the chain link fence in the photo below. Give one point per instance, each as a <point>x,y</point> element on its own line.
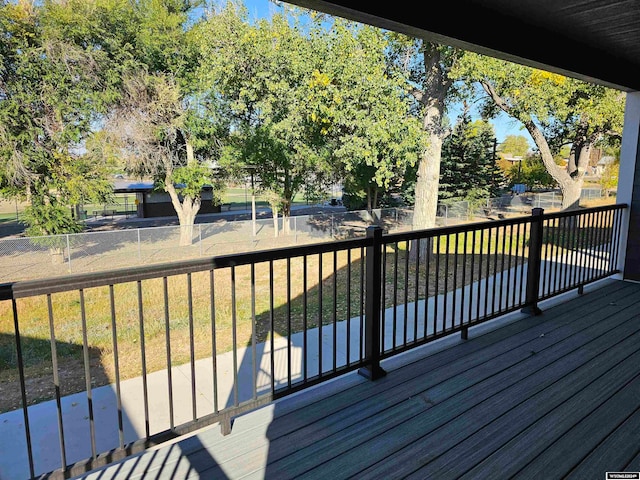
<point>24,258</point>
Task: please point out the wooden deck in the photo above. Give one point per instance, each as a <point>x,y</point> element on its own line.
<point>552,396</point>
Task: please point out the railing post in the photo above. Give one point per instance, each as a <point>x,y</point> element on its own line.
<point>534,263</point>
<point>374,258</point>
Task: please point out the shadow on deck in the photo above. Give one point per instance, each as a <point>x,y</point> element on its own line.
<point>551,396</point>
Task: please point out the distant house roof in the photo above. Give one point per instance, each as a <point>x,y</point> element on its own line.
<point>128,186</point>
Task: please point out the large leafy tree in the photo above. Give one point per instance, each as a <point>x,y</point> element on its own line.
<point>56,79</point>
<point>514,146</point>
<point>365,111</point>
<point>261,76</point>
<point>429,68</point>
<point>160,122</point>
<point>556,111</point>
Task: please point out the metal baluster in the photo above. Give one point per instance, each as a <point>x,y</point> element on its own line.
<point>395,297</point>
<point>464,286</point>
<point>417,288</point>
<point>271,329</point>
<point>143,357</point>
<point>445,296</point>
<point>56,383</point>
<point>192,351</point>
<point>87,375</point>
<point>289,362</point>
<point>214,349</point>
<point>320,315</point>
<point>348,307</point>
<point>254,353</point>
<point>117,368</point>
<point>234,337</point>
<point>334,319</point>
<point>23,389</point>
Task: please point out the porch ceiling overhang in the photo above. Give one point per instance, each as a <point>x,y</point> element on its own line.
<point>594,40</point>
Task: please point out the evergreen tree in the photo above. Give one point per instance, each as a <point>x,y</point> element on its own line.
<point>468,170</point>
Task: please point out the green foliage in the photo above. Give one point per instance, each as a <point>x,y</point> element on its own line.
<point>531,172</point>
<point>190,180</point>
<point>514,145</point>
<point>57,78</point>
<point>261,76</point>
<point>468,170</point>
<point>556,110</point>
<point>609,178</point>
<point>50,218</point>
<point>366,113</point>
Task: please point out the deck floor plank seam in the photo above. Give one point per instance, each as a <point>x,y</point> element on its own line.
<point>401,394</point>
<point>612,454</point>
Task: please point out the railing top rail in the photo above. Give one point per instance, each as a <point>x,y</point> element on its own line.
<point>466,227</point>
<point>486,224</point>
<point>132,274</point>
<point>583,211</point>
<point>29,288</point>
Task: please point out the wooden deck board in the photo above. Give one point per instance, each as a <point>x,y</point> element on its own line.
<point>633,465</point>
<point>561,456</point>
<point>456,383</point>
<point>512,400</point>
<point>615,451</point>
<point>446,396</point>
<point>458,439</point>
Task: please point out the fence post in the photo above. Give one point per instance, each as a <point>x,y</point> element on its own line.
<point>374,258</point>
<point>200,237</point>
<point>69,252</point>
<point>139,253</point>
<point>534,263</point>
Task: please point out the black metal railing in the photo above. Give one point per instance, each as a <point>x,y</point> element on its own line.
<point>116,362</point>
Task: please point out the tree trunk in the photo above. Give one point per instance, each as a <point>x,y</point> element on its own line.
<point>571,192</point>
<point>286,217</point>
<point>187,209</point>
<point>57,255</point>
<point>426,194</point>
<point>570,179</point>
<point>274,214</point>
<point>570,183</point>
<point>436,86</point>
<point>426,201</point>
<point>186,230</point>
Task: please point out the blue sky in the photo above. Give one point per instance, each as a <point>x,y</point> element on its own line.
<point>502,124</point>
